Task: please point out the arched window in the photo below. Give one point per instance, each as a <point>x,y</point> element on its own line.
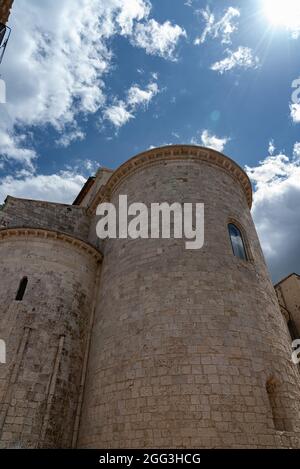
<point>22,289</point>
<point>237,242</point>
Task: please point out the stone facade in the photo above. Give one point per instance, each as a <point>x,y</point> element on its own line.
<point>288,294</point>
<point>5,7</point>
<point>142,343</point>
<point>48,332</point>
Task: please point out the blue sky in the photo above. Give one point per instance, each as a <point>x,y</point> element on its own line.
<point>92,82</point>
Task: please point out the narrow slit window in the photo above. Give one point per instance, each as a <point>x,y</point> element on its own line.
<point>237,242</point>
<point>22,289</point>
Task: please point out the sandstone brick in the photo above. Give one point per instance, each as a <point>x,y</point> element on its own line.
<point>172,347</point>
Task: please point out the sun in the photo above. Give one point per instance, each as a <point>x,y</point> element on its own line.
<point>285,13</point>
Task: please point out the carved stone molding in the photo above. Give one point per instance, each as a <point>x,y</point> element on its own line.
<point>49,234</point>
<point>173,153</point>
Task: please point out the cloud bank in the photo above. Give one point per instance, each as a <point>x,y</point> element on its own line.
<point>276,210</point>
<point>55,69</point>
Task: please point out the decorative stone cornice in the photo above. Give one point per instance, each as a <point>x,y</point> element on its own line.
<point>9,233</point>
<point>173,153</point>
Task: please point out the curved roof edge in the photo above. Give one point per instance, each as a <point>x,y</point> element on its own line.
<point>293,274</point>
<point>7,233</point>
<point>174,152</point>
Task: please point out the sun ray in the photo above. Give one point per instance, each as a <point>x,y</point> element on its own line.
<point>284,13</point>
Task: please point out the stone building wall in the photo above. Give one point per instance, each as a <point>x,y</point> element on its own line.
<point>99,182</point>
<point>22,213</point>
<point>5,7</point>
<point>288,294</point>
<point>46,334</point>
<point>189,348</point>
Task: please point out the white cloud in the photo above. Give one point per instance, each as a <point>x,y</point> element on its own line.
<point>295,32</point>
<point>60,62</point>
<point>295,112</point>
<point>158,39</point>
<point>243,57</point>
<point>137,96</point>
<point>90,166</point>
<point>54,69</point>
<point>212,141</point>
<point>222,29</point>
<point>296,152</point>
<point>276,210</point>
<point>159,145</point>
<point>12,147</point>
<point>272,147</point>
<point>120,112</point>
<point>70,136</point>
<point>62,187</point>
<point>84,168</point>
<point>125,13</point>
<point>117,114</point>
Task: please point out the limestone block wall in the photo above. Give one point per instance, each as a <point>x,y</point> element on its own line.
<point>189,348</point>
<point>71,219</point>
<point>288,294</point>
<point>102,176</point>
<point>46,335</point>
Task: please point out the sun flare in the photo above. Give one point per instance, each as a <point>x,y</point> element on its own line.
<point>284,13</point>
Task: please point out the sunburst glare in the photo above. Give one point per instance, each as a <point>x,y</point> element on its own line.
<point>284,13</point>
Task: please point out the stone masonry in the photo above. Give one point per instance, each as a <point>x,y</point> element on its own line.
<point>143,343</point>
<point>288,294</point>
<point>5,7</point>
